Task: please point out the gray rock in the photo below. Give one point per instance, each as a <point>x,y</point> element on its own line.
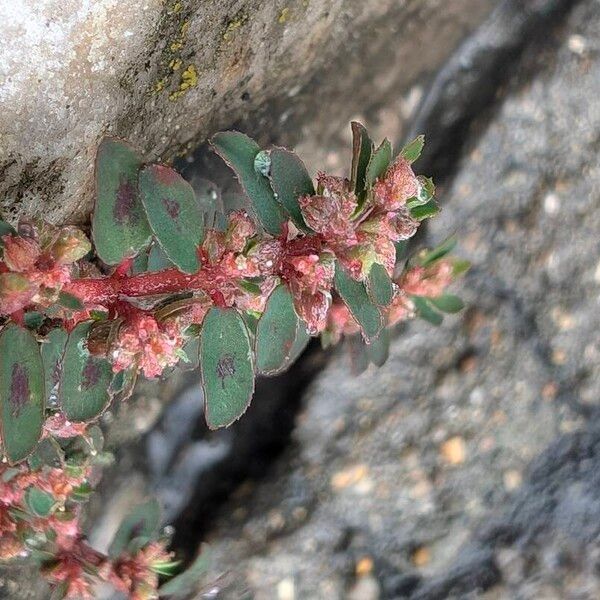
<point>466,467</point>
<point>164,75</point>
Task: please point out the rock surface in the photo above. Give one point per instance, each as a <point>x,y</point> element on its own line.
<point>165,74</point>
<point>466,467</point>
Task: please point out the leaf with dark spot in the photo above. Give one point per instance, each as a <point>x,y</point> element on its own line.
<point>174,214</point>
<point>226,364</point>
<point>22,392</point>
<point>119,225</point>
<point>85,378</point>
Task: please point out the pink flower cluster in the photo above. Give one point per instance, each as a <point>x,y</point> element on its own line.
<point>429,282</point>
<point>71,563</point>
<point>36,264</point>
<point>147,345</point>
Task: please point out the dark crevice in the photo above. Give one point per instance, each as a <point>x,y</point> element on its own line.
<point>467,90</point>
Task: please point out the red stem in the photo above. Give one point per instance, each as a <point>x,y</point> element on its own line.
<point>107,290</point>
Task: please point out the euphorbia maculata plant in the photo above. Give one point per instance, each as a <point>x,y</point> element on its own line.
<point>167,278</point>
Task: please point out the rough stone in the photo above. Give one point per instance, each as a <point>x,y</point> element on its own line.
<point>165,74</point>
<point>515,378</point>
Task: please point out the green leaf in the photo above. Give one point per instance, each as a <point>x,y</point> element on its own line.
<point>33,319</point>
<point>82,493</point>
<point>425,195</point>
<point>460,267</point>
<point>167,569</point>
<point>426,312</point>
<point>276,332</point>
<point>157,259</point>
<point>52,348</point>
<point>119,225</point>
<point>290,180</point>
<point>401,248</point>
<point>69,301</point>
<point>192,352</point>
<point>425,211</point>
<point>300,343</point>
<point>85,379</point>
<point>22,392</point>
<point>380,161</point>
<point>362,149</point>
<point>355,296</point>
<point>226,364</point>
<point>379,285</point>
<point>239,152</point>
<point>438,252</point>
<point>448,303</point>
<point>140,526</point>
<point>379,349</point>
<point>179,587</point>
<point>174,215</point>
<point>39,503</point>
<point>412,150</point>
<point>6,229</point>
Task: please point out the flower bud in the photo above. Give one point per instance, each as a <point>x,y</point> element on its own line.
<point>70,245</point>
<point>20,254</point>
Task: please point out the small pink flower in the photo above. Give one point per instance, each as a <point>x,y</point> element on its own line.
<point>400,309</point>
<point>241,228</point>
<point>397,185</point>
<point>330,216</point>
<point>20,254</point>
<point>57,425</point>
<point>427,281</point>
<point>144,343</point>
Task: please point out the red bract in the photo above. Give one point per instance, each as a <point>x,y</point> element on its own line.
<point>428,281</point>
<point>145,344</point>
<point>397,185</point>
<point>20,254</point>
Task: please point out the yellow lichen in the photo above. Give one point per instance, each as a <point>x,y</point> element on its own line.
<point>189,79</point>
<point>233,26</point>
<point>283,16</point>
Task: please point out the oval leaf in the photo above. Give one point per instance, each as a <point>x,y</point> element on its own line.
<point>85,379</point>
<point>380,285</point>
<point>412,150</point>
<point>355,296</point>
<point>39,503</point>
<point>226,365</point>
<point>174,215</point>
<point>426,312</point>
<point>379,162</point>
<point>119,225</point>
<point>379,349</point>
<point>21,392</point>
<point>362,149</point>
<point>448,303</point>
<point>290,180</point>
<point>276,332</point>
<point>239,152</point>
<point>141,525</point>
<point>53,347</point>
